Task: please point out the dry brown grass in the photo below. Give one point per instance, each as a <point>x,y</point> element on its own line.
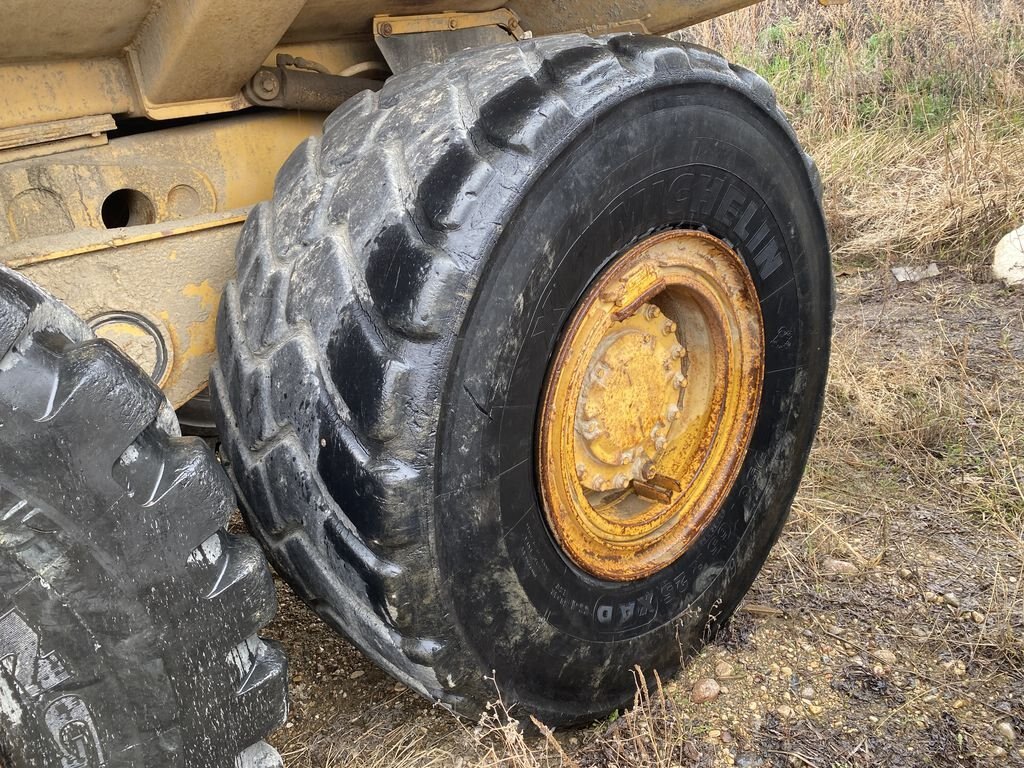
<point>914,110</point>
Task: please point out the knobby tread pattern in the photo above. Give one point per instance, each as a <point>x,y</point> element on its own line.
<point>178,598</point>
<point>333,340</point>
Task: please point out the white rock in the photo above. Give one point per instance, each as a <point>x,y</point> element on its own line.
<point>1008,264</point>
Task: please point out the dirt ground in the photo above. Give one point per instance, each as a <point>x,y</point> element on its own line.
<point>887,627</point>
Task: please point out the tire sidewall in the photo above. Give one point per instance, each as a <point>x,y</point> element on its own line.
<point>683,156</point>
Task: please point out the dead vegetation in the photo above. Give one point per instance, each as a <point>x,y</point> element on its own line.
<point>888,626</point>
<point>914,110</point>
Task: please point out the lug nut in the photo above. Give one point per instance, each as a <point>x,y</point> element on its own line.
<point>668,327</point>
<point>651,312</point>
<point>673,412</point>
<point>581,472</point>
<point>589,429</point>
<point>679,381</point>
<point>598,483</point>
<point>660,442</point>
<point>678,352</point>
<point>620,481</point>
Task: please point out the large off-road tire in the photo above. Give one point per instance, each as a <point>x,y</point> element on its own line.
<point>383,355</point>
<point>127,614</point>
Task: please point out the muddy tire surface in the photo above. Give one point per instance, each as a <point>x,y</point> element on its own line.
<point>128,615</point>
<point>383,351</point>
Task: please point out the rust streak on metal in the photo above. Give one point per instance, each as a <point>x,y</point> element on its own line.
<point>639,301</point>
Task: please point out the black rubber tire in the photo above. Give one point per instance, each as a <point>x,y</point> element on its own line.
<point>384,347</point>
<point>127,614</point>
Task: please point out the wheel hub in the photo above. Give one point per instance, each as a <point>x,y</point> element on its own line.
<point>629,400</point>
<point>650,403</point>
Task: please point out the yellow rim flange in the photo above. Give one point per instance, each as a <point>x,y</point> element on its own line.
<point>650,404</point>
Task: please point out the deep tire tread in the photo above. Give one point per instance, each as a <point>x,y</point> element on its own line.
<point>202,589</point>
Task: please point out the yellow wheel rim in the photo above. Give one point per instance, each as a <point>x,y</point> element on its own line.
<point>650,404</point>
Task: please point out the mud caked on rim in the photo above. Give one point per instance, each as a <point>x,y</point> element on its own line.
<point>650,403</point>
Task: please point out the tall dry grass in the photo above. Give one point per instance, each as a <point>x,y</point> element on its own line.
<point>914,110</point>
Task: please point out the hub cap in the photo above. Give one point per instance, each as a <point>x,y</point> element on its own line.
<point>650,404</point>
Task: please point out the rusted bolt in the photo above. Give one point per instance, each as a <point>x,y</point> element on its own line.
<point>669,327</point>
<point>651,312</point>
<point>620,481</point>
<point>386,30</point>
<point>598,483</point>
<point>453,23</point>
<point>581,472</point>
<point>266,84</point>
<point>678,352</point>
<point>679,381</point>
<point>648,470</point>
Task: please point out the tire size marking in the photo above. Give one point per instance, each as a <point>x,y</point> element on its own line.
<point>67,718</point>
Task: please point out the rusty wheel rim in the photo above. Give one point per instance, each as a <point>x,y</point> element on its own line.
<point>650,404</point>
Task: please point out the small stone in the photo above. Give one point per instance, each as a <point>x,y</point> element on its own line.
<point>950,599</point>
<point>955,667</point>
<point>885,656</point>
<point>839,567</point>
<point>872,718</point>
<point>690,751</point>
<point>723,669</point>
<point>906,574</point>
<point>714,733</point>
<point>816,709</point>
<point>1005,730</point>
<point>705,690</point>
<point>977,617</point>
<point>785,712</point>
<point>807,692</point>
<point>726,737</point>
<point>930,596</point>
<point>787,672</point>
<point>356,675</point>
